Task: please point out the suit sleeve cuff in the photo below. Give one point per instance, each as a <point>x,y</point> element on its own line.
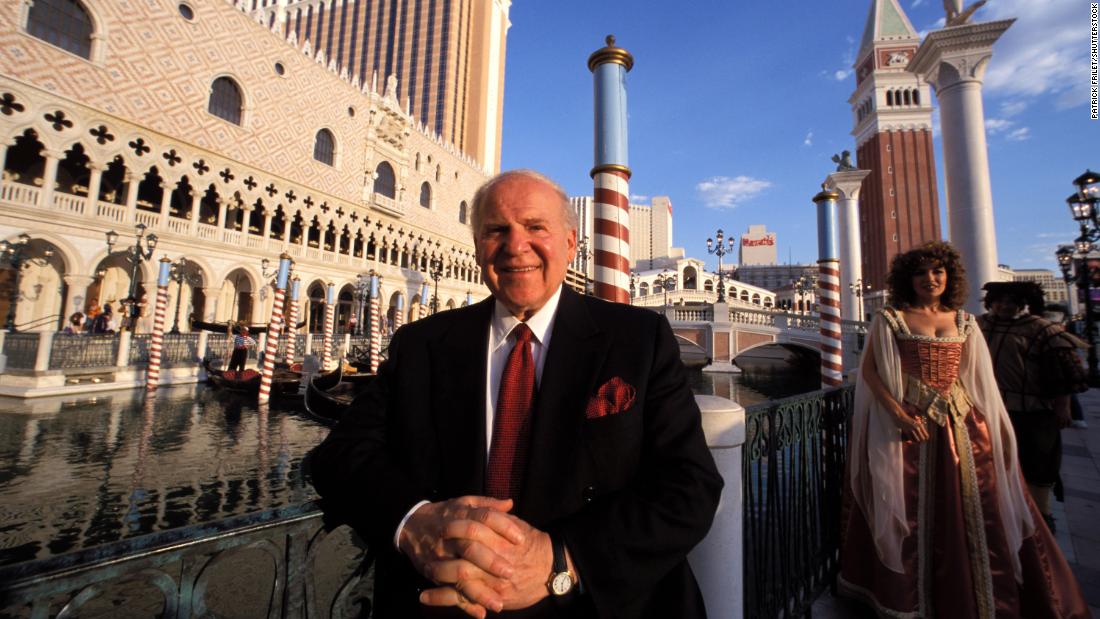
<point>401,525</point>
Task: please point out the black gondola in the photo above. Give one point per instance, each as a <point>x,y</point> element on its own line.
<point>284,382</point>
<point>330,395</point>
<point>224,327</point>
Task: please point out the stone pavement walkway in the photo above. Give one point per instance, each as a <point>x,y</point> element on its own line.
<point>1078,518</point>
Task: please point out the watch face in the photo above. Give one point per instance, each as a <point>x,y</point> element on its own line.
<point>561,583</point>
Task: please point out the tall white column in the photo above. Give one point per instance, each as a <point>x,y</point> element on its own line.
<point>95,181</point>
<point>76,287</point>
<point>132,182</point>
<point>49,177</point>
<point>953,61</point>
<point>847,184</point>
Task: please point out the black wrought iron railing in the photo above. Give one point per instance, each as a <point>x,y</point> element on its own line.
<point>21,349</point>
<point>83,351</point>
<point>139,348</point>
<point>793,474</point>
<point>276,563</point>
<point>217,346</point>
<point>180,349</point>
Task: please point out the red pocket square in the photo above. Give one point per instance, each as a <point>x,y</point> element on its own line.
<point>613,397</point>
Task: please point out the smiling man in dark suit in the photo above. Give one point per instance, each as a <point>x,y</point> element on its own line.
<point>538,454</point>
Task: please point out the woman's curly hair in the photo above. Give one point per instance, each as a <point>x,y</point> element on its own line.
<point>899,281</point>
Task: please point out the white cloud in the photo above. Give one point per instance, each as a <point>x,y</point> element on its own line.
<point>916,3</point>
<point>1012,132</point>
<point>1013,108</point>
<point>809,140</point>
<point>637,198</point>
<point>1042,53</point>
<point>936,122</point>
<point>847,60</point>
<point>728,192</point>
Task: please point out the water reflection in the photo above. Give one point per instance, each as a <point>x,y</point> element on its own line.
<point>79,474</point>
<point>753,388</point>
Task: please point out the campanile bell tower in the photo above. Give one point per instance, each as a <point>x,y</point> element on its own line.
<point>892,125</point>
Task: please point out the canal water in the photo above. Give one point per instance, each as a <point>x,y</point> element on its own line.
<point>81,472</point>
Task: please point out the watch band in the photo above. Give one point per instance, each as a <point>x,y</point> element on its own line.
<point>558,564</point>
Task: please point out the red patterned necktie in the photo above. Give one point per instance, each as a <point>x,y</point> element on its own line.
<point>512,422</point>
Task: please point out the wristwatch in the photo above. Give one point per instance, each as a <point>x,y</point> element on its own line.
<point>561,581</point>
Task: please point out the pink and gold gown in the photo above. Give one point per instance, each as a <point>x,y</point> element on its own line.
<point>944,527</point>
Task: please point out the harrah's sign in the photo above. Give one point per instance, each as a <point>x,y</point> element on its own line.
<point>768,240</point>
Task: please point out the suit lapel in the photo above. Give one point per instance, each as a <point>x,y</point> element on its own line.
<point>459,370</point>
<point>577,351</point>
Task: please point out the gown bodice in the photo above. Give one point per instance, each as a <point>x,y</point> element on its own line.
<point>930,368</point>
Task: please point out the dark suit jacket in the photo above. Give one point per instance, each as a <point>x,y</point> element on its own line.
<point>630,493</point>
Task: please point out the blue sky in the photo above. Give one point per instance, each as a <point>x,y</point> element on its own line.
<point>736,107</point>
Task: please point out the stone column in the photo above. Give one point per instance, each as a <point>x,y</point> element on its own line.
<point>718,560</point>
<point>268,213</point>
<point>131,196</point>
<point>223,205</point>
<point>166,188</point>
<point>953,61</point>
<point>847,185</point>
<point>49,177</point>
<point>76,286</point>
<point>196,207</point>
<point>95,181</point>
<point>210,294</point>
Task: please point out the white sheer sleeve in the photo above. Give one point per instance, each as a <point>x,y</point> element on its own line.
<point>876,469</point>
<point>976,375</point>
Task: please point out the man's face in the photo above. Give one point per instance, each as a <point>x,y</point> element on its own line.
<point>523,244</point>
<point>1006,307</point>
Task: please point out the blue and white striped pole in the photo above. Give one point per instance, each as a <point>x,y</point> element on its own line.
<point>611,173</point>
<point>274,328</point>
<point>828,288</point>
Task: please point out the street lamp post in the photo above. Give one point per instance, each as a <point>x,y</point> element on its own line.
<point>179,274</point>
<point>584,251</point>
<point>665,280</point>
<point>633,282</point>
<point>1064,254</point>
<point>802,286</point>
<point>435,271</point>
<point>136,254</point>
<point>857,288</point>
<point>1083,208</point>
<point>719,250</point>
<point>16,255</point>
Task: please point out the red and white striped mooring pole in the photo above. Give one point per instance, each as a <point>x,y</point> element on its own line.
<point>828,289</point>
<point>330,327</point>
<point>292,321</point>
<point>152,373</point>
<point>375,322</point>
<point>274,329</point>
<point>611,174</point>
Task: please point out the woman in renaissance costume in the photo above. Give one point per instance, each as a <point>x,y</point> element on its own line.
<point>937,521</point>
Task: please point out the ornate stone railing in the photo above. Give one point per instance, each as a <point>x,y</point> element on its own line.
<point>21,350</point>
<point>83,351</point>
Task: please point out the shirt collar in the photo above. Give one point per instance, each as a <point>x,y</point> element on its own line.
<point>539,323</point>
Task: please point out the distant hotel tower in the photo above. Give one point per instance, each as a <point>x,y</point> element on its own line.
<point>447,55</point>
<point>892,112</point>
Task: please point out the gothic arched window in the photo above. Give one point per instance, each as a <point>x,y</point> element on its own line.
<point>384,182</point>
<point>226,100</point>
<point>64,23</point>
<point>426,195</point>
<point>324,147</point>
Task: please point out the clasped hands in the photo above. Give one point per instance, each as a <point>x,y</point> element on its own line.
<point>482,557</point>
<point>910,421</point>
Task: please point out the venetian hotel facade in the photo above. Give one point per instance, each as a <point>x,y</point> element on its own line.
<point>231,144</point>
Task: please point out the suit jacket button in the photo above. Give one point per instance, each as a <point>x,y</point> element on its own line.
<point>589,494</point>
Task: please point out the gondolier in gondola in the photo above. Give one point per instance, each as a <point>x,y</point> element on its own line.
<point>241,343</point>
